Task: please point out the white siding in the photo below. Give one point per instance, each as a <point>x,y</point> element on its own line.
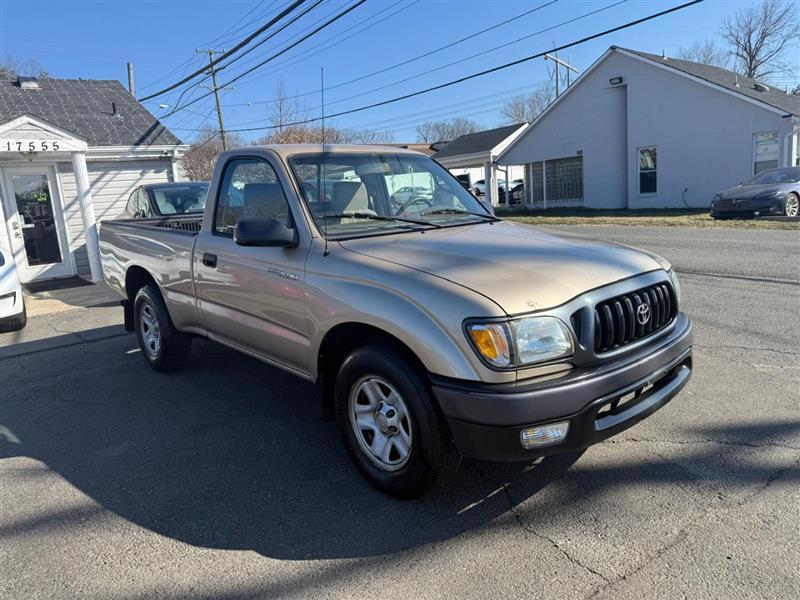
<point>112,183</point>
<point>704,136</point>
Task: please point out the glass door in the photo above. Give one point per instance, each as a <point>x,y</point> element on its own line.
<point>36,225</point>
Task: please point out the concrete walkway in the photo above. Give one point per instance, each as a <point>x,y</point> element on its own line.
<point>60,300</point>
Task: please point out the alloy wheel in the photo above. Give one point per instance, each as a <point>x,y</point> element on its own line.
<point>151,332</point>
<point>381,422</point>
<point>792,206</point>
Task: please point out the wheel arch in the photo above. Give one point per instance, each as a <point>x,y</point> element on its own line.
<point>345,337</point>
<point>136,278</point>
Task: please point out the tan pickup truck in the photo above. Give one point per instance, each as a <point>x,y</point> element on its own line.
<point>433,329</point>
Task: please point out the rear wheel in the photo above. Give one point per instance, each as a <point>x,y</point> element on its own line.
<point>163,347</point>
<point>390,424</point>
<point>791,206</point>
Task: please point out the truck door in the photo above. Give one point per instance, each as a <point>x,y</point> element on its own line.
<point>253,298</point>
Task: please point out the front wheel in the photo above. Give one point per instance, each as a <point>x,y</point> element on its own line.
<point>164,347</point>
<point>390,424</point>
<point>791,206</point>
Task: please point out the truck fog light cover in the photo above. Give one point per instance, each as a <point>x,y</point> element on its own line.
<point>544,435</point>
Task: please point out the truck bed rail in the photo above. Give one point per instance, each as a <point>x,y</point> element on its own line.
<point>188,224</point>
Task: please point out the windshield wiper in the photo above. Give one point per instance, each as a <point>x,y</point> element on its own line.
<point>370,216</point>
<point>458,211</point>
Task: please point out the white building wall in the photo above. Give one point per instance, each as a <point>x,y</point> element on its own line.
<point>703,136</point>
<point>112,183</point>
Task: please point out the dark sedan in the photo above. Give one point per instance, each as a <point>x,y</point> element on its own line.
<point>166,200</point>
<point>773,192</point>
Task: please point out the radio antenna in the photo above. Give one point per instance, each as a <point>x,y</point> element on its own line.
<point>321,167</point>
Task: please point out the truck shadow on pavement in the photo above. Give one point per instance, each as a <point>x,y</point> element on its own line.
<point>229,453</point>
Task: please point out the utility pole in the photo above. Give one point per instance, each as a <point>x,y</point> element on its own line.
<point>560,63</point>
<point>130,79</point>
<point>215,89</point>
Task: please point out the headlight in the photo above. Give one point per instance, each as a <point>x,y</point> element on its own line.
<point>673,277</point>
<point>532,339</point>
<point>717,197</point>
<point>772,194</point>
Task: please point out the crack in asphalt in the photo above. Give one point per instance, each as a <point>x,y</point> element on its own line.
<point>748,278</point>
<point>702,441</point>
<point>683,533</point>
<point>748,348</point>
<point>527,528</point>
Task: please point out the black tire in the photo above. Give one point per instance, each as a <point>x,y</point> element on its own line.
<point>174,347</point>
<point>15,323</point>
<point>433,458</point>
<point>791,200</point>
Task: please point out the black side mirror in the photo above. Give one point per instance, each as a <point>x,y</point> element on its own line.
<point>264,232</point>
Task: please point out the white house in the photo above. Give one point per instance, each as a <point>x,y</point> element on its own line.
<point>71,153</point>
<point>474,154</point>
<point>638,130</point>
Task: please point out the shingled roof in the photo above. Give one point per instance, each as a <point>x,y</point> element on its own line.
<point>728,79</point>
<point>84,107</point>
<point>481,141</point>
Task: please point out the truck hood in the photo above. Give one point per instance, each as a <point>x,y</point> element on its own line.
<point>519,267</point>
<point>746,192</point>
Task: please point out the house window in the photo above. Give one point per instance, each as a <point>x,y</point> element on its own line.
<point>797,150</point>
<point>766,151</point>
<point>648,172</point>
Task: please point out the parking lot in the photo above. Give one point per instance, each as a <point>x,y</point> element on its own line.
<point>224,481</point>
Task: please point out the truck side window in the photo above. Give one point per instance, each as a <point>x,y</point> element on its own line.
<point>250,189</point>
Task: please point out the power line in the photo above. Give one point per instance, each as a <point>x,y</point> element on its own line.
<point>481,53</point>
<point>486,71</point>
<point>224,55</point>
<point>339,39</point>
<point>413,59</point>
<point>274,56</point>
<point>270,36</point>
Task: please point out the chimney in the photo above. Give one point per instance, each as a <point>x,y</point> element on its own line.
<point>28,83</point>
<point>114,112</point>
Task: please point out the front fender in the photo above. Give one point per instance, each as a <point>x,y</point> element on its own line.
<point>423,311</point>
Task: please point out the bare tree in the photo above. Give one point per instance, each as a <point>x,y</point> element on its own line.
<point>706,53</point>
<point>199,161</point>
<point>445,131</point>
<point>286,127</point>
<point>11,67</point>
<point>759,36</point>
<point>525,108</point>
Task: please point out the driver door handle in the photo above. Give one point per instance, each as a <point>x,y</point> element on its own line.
<point>210,260</point>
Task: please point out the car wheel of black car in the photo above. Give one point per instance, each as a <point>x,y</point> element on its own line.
<point>791,206</point>
<point>164,347</point>
<point>390,424</point>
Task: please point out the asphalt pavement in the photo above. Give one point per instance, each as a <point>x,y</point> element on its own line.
<point>221,481</point>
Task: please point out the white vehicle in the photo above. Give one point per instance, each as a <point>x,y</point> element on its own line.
<point>12,304</point>
<point>480,186</point>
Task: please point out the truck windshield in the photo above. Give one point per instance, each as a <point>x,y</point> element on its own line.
<point>401,191</point>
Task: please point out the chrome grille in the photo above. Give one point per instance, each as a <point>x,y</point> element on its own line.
<point>618,321</point>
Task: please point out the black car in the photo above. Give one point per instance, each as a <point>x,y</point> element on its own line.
<point>166,200</point>
<point>773,192</point>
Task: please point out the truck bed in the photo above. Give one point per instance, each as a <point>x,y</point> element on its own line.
<point>161,246</point>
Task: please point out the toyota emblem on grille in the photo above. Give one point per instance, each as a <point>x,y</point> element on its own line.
<point>643,314</point>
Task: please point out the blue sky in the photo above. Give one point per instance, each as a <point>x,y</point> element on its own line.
<point>94,40</point>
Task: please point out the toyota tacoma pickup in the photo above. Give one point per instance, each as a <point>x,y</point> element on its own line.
<point>432,329</point>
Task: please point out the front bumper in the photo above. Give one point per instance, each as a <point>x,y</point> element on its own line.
<point>487,420</point>
<point>747,208</point>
